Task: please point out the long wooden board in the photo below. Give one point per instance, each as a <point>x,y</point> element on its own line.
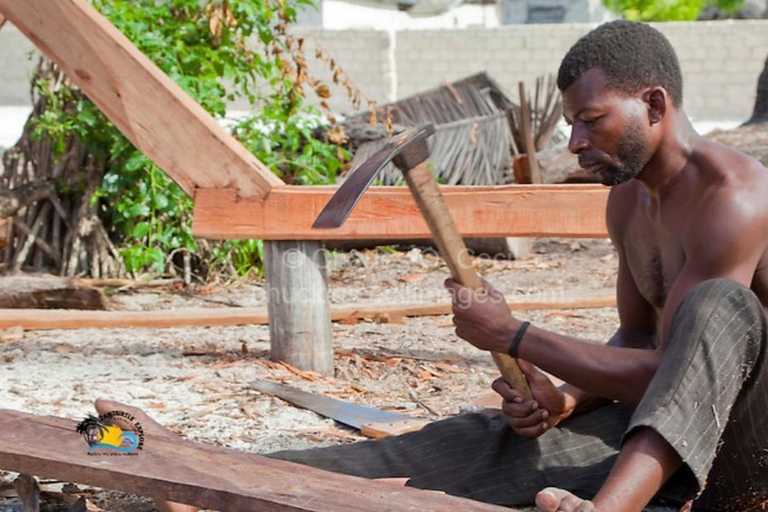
<point>390,213</point>
<point>202,475</point>
<point>154,113</point>
<point>43,319</point>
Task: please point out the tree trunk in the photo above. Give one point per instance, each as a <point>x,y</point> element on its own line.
<point>299,314</point>
<point>13,200</point>
<point>54,228</point>
<point>760,112</point>
<point>34,292</point>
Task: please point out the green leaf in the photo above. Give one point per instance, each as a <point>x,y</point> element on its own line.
<point>87,117</point>
<point>138,210</point>
<point>161,202</point>
<point>135,162</point>
<point>141,230</point>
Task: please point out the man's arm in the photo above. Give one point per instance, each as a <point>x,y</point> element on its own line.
<point>587,366</point>
<point>637,330</point>
<point>726,237</point>
<point>727,240</point>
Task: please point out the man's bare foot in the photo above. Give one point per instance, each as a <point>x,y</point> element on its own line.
<point>151,428</point>
<point>552,499</point>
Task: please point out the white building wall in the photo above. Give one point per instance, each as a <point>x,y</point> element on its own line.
<point>721,60</point>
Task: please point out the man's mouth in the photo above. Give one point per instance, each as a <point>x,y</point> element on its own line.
<point>591,167</point>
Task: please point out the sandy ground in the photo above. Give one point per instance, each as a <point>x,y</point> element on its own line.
<point>195,380</point>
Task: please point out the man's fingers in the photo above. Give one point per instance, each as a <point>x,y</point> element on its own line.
<point>531,432</point>
<point>507,392</point>
<point>532,374</point>
<point>526,413</point>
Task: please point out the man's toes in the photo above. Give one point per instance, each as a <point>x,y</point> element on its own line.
<point>169,506</point>
<point>552,499</point>
<point>104,406</point>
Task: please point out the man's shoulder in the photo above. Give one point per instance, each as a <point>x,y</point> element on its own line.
<point>729,169</point>
<point>732,193</point>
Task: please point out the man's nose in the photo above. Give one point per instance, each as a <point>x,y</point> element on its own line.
<point>578,141</point>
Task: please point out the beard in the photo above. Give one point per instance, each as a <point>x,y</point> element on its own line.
<point>631,157</point>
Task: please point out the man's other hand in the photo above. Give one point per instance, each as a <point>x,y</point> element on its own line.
<point>531,418</point>
<point>482,318</point>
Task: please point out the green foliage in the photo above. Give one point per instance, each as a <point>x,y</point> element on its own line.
<point>201,45</point>
<point>667,10</point>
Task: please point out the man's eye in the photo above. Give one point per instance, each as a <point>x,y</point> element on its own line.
<point>591,120</point>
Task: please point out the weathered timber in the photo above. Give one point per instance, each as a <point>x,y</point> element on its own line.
<point>206,476</point>
<point>154,113</point>
<point>31,292</point>
<point>51,319</point>
<point>13,200</point>
<point>28,489</point>
<point>297,301</point>
<point>390,213</point>
<point>527,133</point>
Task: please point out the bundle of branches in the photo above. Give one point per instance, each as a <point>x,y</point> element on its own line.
<point>545,109</point>
<point>49,195</point>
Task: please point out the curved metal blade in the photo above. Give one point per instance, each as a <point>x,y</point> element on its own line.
<point>344,412</point>
<point>344,200</point>
<point>346,197</point>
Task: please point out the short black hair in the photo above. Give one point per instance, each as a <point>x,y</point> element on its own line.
<point>632,55</point>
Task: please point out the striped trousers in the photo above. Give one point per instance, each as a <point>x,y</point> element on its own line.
<point>706,399</point>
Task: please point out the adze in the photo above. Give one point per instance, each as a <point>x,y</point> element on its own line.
<point>410,154</point>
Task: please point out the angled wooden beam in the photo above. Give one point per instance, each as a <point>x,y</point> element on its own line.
<point>206,476</point>
<point>390,213</point>
<point>154,113</point>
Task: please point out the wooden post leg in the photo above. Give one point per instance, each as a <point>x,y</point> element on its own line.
<point>28,489</point>
<point>299,314</point>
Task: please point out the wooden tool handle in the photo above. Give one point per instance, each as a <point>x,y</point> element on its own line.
<point>454,251</point>
<point>392,428</point>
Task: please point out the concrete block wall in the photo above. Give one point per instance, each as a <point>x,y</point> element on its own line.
<point>509,54</point>
<point>364,55</point>
<point>16,67</point>
<point>721,60</point>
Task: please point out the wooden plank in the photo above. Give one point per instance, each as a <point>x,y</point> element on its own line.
<point>62,319</point>
<point>297,294</point>
<point>155,114</point>
<point>390,213</point>
<point>201,475</point>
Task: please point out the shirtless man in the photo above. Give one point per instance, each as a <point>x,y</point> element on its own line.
<point>682,211</point>
<point>668,408</point>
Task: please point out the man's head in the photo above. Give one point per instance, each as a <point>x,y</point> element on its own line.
<point>632,55</point>
<point>618,83</point>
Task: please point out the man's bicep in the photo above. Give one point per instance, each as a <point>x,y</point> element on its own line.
<point>728,246</point>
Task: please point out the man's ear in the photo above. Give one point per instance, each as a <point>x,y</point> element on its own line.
<point>656,100</point>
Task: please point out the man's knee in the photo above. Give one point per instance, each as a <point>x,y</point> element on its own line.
<point>719,295</point>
